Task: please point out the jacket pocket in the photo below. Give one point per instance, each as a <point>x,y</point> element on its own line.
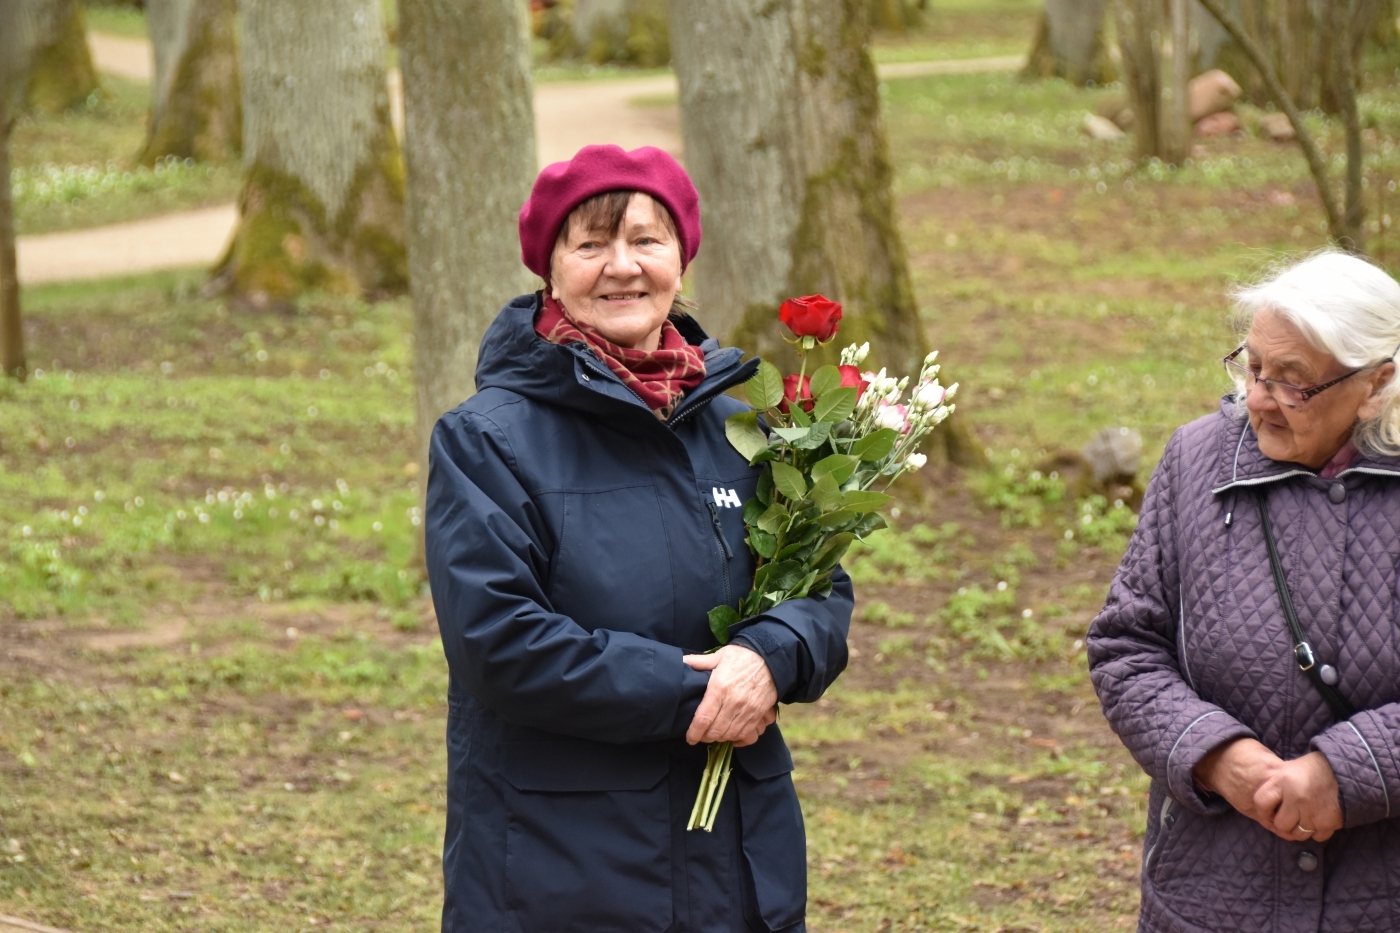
<point>588,839</point>
<point>612,565</point>
<point>766,758</point>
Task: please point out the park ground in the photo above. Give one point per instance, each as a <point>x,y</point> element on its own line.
<point>221,693</point>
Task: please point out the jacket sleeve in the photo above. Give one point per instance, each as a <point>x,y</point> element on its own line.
<point>803,641</point>
<point>1133,660</point>
<point>1364,752</point>
<point>487,554</point>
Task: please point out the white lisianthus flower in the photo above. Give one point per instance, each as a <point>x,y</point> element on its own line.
<point>890,416</point>
<point>916,461</point>
<point>855,355</point>
<point>927,396</point>
<point>952,390</point>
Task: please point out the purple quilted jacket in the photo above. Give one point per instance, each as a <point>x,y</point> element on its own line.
<point>1192,650</point>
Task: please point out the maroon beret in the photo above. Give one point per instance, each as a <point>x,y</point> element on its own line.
<point>563,186</point>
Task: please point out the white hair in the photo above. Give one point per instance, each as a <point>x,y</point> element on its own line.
<point>1345,307</point>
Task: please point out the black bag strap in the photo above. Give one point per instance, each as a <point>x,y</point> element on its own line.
<point>1302,651</point>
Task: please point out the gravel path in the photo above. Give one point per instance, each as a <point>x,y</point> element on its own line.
<point>568,116</point>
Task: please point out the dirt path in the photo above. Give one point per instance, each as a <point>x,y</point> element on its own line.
<point>16,925</point>
<point>568,116</point>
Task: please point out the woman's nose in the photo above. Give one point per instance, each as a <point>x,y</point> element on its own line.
<point>622,262</point>
<point>1259,399</point>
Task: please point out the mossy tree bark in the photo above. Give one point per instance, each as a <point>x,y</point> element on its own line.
<point>470,145</point>
<point>322,201</point>
<point>1069,43</point>
<point>781,116</point>
<point>196,108</point>
<point>59,74</point>
<point>21,26</point>
<point>1161,129</point>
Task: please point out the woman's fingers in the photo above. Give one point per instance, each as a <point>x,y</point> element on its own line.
<point>739,699</point>
<point>702,662</point>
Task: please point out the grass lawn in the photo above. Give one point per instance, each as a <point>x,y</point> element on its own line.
<point>221,697</point>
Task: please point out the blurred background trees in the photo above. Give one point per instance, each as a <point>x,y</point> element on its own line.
<point>322,202</point>
<point>196,106</point>
<point>1069,43</point>
<point>57,71</point>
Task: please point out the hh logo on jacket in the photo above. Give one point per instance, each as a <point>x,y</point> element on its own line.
<point>726,498</point>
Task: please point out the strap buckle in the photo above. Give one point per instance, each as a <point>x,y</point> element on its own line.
<point>1303,654</point>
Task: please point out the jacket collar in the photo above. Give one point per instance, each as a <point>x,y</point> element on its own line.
<point>515,358</point>
<point>1243,464</point>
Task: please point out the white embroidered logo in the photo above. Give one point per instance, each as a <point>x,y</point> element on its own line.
<point>726,498</point>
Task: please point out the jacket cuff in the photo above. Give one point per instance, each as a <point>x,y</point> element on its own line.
<point>1357,753</point>
<point>691,692</point>
<point>780,649</point>
<point>1206,732</point>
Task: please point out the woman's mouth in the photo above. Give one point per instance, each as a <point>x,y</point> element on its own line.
<point>624,296</point>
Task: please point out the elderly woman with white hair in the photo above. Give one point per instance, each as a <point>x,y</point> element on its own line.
<point>1249,651</point>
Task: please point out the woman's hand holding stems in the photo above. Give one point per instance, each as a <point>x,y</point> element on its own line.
<point>740,701</point>
<point>1279,795</point>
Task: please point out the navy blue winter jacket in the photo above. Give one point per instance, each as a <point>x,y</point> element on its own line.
<point>575,543</point>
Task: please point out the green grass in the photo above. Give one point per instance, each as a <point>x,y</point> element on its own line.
<point>116,19</point>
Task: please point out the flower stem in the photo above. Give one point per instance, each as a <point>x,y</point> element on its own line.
<point>712,785</point>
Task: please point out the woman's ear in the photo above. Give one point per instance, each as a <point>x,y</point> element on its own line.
<point>1379,380</point>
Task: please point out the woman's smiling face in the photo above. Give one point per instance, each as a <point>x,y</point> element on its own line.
<point>620,283</point>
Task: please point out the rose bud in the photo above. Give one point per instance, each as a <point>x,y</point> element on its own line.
<point>811,316</point>
<point>851,378</point>
<point>790,393</point>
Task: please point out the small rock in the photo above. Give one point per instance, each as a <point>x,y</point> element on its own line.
<point>1097,127</point>
<point>354,714</point>
<point>1224,123</point>
<point>1276,126</point>
<point>1210,93</point>
<point>1114,453</point>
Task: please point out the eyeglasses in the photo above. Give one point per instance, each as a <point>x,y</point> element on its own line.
<point>1283,392</point>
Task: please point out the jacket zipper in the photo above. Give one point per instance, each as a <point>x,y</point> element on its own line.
<point>723,548</point>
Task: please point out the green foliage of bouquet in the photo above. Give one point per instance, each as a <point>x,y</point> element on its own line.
<point>825,442</point>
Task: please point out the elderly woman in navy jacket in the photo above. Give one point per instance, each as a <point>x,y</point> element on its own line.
<point>583,516</point>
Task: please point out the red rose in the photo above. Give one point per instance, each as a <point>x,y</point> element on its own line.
<point>812,316</point>
<point>790,393</point>
<point>851,378</point>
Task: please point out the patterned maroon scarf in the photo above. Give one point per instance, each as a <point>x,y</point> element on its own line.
<point>659,376</point>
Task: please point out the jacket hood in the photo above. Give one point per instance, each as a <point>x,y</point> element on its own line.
<point>1242,463</point>
<point>515,358</point>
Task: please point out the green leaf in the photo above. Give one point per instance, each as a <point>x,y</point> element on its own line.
<point>773,520</point>
<point>858,500</point>
<point>793,551</point>
<point>752,510</point>
<point>789,481</point>
<point>721,618</point>
<point>837,519</point>
<point>792,435</point>
<point>763,456</point>
<point>764,492</point>
<point>745,435</point>
<point>800,416</point>
<point>839,467</point>
<point>779,576</point>
<point>817,435</point>
<point>836,405</point>
<point>765,389</point>
<point>762,543</point>
<point>826,494</point>
<point>869,523</point>
<point>803,586</point>
<point>876,445</point>
<point>824,380</point>
<point>831,552</point>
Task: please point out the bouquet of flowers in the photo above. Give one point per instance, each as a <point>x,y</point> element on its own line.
<point>825,442</point>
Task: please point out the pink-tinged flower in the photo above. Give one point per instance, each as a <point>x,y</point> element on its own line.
<point>851,377</point>
<point>928,396</point>
<point>811,316</point>
<point>790,394</point>
<point>894,417</point>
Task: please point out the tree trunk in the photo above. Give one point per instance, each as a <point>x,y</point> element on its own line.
<point>12,360</point>
<point>781,117</point>
<point>60,74</point>
<point>322,201</point>
<point>1139,26</point>
<point>1176,111</point>
<point>196,108</point>
<point>1069,43</point>
<point>1346,17</point>
<point>470,143</point>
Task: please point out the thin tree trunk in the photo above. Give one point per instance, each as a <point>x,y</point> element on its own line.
<point>12,359</point>
<point>322,201</point>
<point>470,143</point>
<point>60,74</point>
<point>1354,220</point>
<point>781,117</point>
<point>1177,128</point>
<point>196,108</point>
<point>1317,164</point>
<point>1069,43</point>
<point>1139,24</point>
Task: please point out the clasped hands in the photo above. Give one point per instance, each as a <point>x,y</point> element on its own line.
<point>1279,795</point>
<point>740,701</point>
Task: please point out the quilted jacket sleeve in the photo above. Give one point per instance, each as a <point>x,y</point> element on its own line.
<point>1133,659</point>
<point>1364,752</point>
<point>487,555</point>
<point>804,641</point>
